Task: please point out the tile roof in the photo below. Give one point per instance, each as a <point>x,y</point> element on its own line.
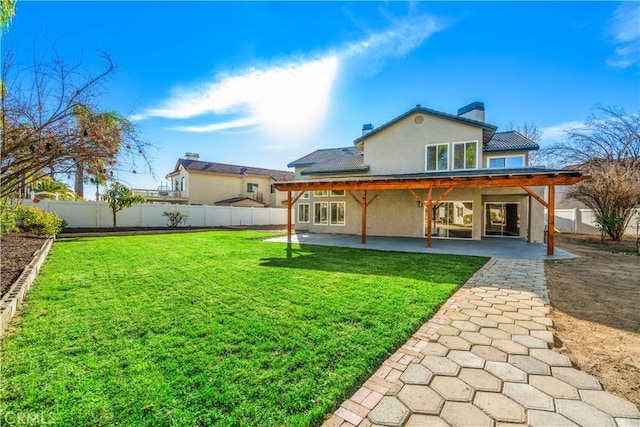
<point>487,128</point>
<point>331,161</point>
<point>226,169</point>
<point>509,141</point>
<point>233,200</point>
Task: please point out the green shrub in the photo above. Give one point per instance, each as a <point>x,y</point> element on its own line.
<point>8,221</point>
<point>33,220</point>
<point>175,218</point>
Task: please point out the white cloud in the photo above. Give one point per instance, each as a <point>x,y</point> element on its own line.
<point>290,98</point>
<point>404,36</point>
<point>232,124</point>
<point>557,133</point>
<point>624,28</point>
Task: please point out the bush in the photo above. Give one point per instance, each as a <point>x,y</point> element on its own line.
<point>175,218</point>
<point>33,220</point>
<point>8,221</point>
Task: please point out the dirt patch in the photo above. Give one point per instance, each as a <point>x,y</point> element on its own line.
<point>16,252</point>
<point>596,310</point>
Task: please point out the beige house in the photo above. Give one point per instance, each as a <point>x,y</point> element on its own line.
<point>477,182</point>
<point>208,183</point>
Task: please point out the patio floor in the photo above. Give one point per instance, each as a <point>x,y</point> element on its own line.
<point>511,248</point>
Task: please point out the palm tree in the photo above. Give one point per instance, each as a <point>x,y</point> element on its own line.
<point>101,136</point>
<point>48,187</point>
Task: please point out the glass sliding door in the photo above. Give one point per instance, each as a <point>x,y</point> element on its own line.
<point>502,219</point>
<point>452,220</point>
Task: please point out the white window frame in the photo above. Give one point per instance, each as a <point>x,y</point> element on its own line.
<point>344,214</point>
<point>301,209</point>
<point>322,205</point>
<point>453,151</point>
<point>505,157</point>
<point>426,152</point>
<point>254,187</point>
<point>424,220</point>
<point>320,193</point>
<point>331,193</point>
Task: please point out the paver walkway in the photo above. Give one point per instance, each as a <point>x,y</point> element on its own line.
<point>484,360</point>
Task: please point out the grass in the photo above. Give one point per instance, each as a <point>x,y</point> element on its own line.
<point>214,328</point>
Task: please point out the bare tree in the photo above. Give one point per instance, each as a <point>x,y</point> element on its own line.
<point>606,147</point>
<point>51,123</point>
<point>612,191</point>
<point>609,134</point>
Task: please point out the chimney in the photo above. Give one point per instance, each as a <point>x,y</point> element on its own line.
<point>473,111</point>
<point>191,156</point>
<point>366,128</point>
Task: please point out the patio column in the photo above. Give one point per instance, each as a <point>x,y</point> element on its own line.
<point>363,213</point>
<point>289,204</point>
<point>429,215</point>
<point>551,219</point>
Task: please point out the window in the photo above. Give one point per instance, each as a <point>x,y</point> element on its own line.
<point>251,187</point>
<point>337,213</point>
<point>320,213</point>
<point>437,157</point>
<point>337,193</point>
<point>306,195</point>
<point>182,184</point>
<point>303,212</point>
<point>465,155</point>
<point>452,220</point>
<point>320,193</point>
<point>506,162</point>
<point>273,189</point>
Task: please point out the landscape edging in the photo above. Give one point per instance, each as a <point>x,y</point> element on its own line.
<point>12,299</point>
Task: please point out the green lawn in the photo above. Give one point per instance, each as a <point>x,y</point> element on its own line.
<point>213,328</point>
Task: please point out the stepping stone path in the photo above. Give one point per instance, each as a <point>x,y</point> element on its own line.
<point>485,360</point>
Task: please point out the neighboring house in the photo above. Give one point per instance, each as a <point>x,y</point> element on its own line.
<point>208,183</point>
<point>477,181</point>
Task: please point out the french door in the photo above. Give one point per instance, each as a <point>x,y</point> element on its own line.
<point>502,219</point>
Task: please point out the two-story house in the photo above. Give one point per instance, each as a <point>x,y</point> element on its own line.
<point>427,174</point>
<point>209,183</point>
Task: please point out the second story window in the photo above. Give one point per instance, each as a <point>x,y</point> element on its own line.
<point>252,187</point>
<point>465,155</point>
<point>437,157</point>
<point>506,162</point>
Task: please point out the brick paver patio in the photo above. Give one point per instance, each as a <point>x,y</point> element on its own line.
<point>484,360</point>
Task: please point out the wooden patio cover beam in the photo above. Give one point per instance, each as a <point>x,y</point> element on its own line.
<point>428,204</point>
<point>376,183</point>
<point>364,204</point>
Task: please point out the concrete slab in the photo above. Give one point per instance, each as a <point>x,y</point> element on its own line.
<point>508,248</point>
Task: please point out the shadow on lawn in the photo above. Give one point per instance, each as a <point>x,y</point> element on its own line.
<point>436,268</point>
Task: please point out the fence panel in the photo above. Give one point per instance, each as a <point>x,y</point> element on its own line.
<point>98,214</point>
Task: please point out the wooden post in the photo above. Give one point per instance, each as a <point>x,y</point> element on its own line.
<point>429,215</point>
<point>551,219</point>
<point>289,204</point>
<point>363,212</point>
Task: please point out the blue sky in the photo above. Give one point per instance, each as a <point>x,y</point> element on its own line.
<point>263,83</point>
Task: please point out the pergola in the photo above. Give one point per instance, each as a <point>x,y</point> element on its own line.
<point>412,183</point>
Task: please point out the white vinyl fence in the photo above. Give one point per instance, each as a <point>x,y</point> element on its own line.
<point>583,221</point>
<point>98,214</point>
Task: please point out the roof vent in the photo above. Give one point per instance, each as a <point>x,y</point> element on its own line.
<point>473,111</point>
<point>191,156</point>
<point>366,128</point>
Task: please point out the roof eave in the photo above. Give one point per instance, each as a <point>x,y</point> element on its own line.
<point>439,114</point>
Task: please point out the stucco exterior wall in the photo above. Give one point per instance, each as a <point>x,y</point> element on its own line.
<point>208,188</point>
<point>397,213</point>
<point>400,149</point>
